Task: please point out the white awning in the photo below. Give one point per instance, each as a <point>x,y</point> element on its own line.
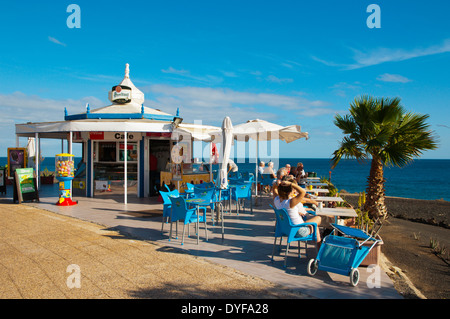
<point>59,129</point>
<point>196,131</point>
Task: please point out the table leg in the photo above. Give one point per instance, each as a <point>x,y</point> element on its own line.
<point>223,230</point>
<point>198,223</point>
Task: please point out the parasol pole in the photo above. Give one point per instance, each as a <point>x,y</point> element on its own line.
<point>125,168</point>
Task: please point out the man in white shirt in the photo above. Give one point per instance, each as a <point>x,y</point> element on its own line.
<point>261,167</point>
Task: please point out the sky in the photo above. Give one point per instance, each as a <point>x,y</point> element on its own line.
<point>288,62</point>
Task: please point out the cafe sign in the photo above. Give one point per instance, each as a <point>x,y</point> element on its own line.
<point>120,94</point>
<point>115,136</point>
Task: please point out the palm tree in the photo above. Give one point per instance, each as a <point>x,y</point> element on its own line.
<point>381,130</point>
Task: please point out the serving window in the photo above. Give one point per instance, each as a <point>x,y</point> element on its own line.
<point>109,167</point>
<point>113,152</point>
<point>132,153</point>
<point>107,151</point>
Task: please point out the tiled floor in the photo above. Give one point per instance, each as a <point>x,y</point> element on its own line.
<point>247,244</point>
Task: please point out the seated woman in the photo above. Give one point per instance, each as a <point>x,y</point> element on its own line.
<point>269,171</point>
<point>294,207</point>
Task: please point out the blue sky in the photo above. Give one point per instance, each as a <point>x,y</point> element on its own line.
<point>290,62</point>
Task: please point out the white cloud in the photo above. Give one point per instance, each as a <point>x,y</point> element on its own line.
<point>230,74</point>
<point>209,79</point>
<point>383,55</point>
<point>51,39</point>
<point>172,70</point>
<point>274,79</point>
<point>386,77</point>
<point>20,108</point>
<point>342,88</point>
<point>212,104</point>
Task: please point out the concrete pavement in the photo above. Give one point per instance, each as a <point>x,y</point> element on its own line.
<point>121,253</point>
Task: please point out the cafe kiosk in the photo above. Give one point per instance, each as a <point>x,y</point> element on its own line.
<point>117,142</point>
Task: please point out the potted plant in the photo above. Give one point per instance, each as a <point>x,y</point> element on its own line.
<point>371,227</point>
<point>47,177</point>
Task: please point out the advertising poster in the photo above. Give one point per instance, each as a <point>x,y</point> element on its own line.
<point>25,180</point>
<point>17,158</point>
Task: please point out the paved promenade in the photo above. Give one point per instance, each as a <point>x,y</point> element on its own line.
<point>120,252</point>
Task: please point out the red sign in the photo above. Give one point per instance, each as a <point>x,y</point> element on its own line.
<point>157,134</point>
<point>97,135</point>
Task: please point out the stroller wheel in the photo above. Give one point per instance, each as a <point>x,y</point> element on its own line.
<point>354,277</point>
<point>312,267</point>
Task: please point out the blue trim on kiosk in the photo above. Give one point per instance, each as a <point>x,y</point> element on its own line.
<point>121,116</point>
<point>141,168</point>
<point>89,169</point>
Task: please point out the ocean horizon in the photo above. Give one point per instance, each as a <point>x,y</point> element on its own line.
<point>421,179</point>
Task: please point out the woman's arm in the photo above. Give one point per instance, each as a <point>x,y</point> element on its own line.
<point>309,201</point>
<point>275,188</point>
<point>301,194</point>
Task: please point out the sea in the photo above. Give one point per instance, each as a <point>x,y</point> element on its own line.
<point>421,179</point>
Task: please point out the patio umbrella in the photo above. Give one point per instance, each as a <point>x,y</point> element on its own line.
<point>227,139</point>
<point>260,130</point>
<point>31,147</point>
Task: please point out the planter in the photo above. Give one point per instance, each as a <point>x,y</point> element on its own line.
<point>47,180</point>
<point>374,255</point>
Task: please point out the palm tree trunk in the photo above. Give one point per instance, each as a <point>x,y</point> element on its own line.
<point>375,190</point>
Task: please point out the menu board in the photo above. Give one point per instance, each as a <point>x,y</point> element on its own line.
<point>25,185</point>
<point>25,180</point>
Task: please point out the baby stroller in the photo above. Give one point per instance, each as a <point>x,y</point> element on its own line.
<point>342,254</point>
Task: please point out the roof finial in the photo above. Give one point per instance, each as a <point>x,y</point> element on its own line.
<point>178,111</point>
<point>127,70</point>
<point>88,108</point>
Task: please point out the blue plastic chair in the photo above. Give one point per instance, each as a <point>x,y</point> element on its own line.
<point>243,191</point>
<point>247,176</point>
<point>180,211</point>
<point>266,180</point>
<point>284,227</point>
<point>235,175</point>
<point>207,194</point>
<point>189,189</point>
<point>167,205</point>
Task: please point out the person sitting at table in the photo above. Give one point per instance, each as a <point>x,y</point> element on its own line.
<point>289,178</point>
<point>288,168</point>
<point>232,167</point>
<point>261,167</point>
<point>301,175</point>
<point>281,173</point>
<point>269,171</point>
<point>294,207</point>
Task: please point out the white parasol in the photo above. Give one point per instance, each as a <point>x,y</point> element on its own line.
<point>227,140</point>
<point>260,130</point>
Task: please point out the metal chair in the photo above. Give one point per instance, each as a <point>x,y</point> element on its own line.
<point>180,211</point>
<point>284,227</point>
